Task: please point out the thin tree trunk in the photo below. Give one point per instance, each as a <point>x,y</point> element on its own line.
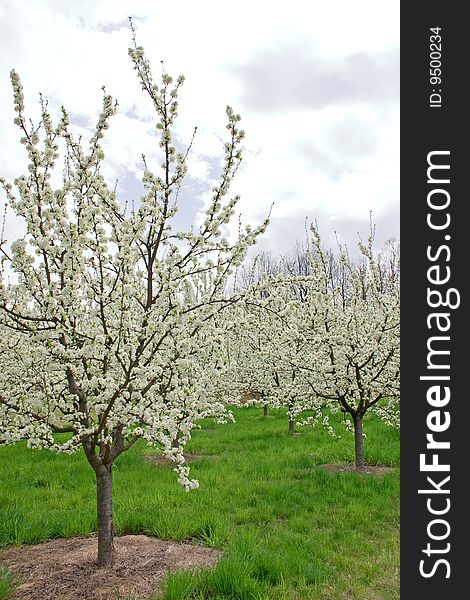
<point>175,443</point>
<point>104,497</point>
<point>358,442</point>
<point>291,426</point>
<point>265,410</point>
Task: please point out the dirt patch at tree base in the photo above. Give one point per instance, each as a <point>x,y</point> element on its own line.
<point>67,569</point>
<point>164,460</point>
<point>367,470</point>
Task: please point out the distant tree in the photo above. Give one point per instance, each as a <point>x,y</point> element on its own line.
<point>107,313</point>
<point>323,336</point>
<point>388,265</point>
<point>263,352</point>
<point>256,269</point>
<point>297,262</point>
<point>352,341</point>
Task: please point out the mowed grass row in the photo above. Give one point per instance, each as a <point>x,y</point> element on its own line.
<point>288,528</point>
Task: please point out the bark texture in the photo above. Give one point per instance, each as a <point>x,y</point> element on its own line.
<point>104,497</point>
<point>358,442</point>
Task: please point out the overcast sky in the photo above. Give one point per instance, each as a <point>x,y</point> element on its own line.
<point>316,84</point>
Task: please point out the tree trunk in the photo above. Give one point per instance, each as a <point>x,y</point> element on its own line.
<point>358,442</point>
<point>175,443</point>
<point>265,410</point>
<point>104,497</point>
<point>291,426</point>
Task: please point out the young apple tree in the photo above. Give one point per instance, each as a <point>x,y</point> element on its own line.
<point>263,351</point>
<point>107,313</point>
<point>352,339</point>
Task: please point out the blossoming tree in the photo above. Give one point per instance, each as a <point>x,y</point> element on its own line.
<point>262,352</point>
<point>352,339</point>
<point>107,313</point>
<point>325,339</point>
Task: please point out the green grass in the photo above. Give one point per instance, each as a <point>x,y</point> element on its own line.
<point>288,529</point>
<point>6,583</point>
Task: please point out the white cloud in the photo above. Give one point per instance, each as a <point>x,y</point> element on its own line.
<point>332,160</point>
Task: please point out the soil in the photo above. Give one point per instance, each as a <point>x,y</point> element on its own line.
<point>367,470</point>
<point>67,569</point>
<point>163,460</point>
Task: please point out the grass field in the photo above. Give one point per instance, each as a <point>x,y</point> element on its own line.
<point>289,530</point>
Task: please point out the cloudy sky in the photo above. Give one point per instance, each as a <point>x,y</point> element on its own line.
<point>316,84</point>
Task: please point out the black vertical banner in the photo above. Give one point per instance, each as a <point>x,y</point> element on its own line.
<point>435,238</point>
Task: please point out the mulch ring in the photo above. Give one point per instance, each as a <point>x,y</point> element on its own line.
<point>160,459</point>
<point>67,569</point>
<point>349,468</point>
